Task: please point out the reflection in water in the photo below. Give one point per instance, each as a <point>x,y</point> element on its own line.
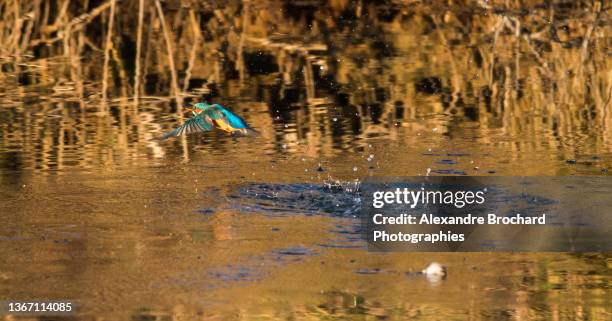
<point>319,79</point>
<point>96,209</point>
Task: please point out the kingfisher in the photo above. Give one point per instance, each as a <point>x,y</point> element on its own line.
<point>205,117</point>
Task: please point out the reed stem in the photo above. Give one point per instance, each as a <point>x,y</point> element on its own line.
<point>165,31</point>
<point>138,51</point>
<point>107,48</point>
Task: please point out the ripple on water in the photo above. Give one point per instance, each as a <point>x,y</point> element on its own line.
<point>449,172</point>
<point>251,269</point>
<point>336,200</point>
<point>447,162</point>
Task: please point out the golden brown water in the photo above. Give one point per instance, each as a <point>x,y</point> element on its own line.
<point>95,209</point>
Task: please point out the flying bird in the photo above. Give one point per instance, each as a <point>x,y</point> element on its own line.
<point>206,117</point>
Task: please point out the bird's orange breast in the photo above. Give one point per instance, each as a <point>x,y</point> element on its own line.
<point>223,125</point>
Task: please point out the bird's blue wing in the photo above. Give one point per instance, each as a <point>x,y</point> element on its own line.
<point>218,112</point>
<point>198,123</point>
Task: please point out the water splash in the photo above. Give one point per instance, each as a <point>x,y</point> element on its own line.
<point>332,198</point>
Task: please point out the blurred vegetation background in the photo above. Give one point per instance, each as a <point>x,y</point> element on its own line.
<point>536,67</point>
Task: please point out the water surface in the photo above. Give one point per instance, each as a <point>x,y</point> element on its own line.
<point>95,209</point>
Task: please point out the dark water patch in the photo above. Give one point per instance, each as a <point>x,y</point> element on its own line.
<point>368,271</point>
<point>206,211</point>
<point>341,244</point>
<point>251,269</point>
<point>237,273</point>
<point>429,85</point>
<point>449,172</point>
<point>353,229</point>
<point>447,162</point>
<point>336,200</point>
<point>260,63</point>
<point>351,235</point>
<point>284,256</point>
<point>298,251</point>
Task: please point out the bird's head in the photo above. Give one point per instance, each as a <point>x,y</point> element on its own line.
<point>198,108</point>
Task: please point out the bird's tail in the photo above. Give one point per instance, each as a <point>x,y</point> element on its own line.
<point>248,131</point>
<point>252,132</point>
